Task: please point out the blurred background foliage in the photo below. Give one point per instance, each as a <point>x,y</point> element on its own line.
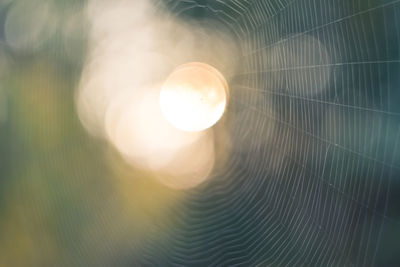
<point>56,195</point>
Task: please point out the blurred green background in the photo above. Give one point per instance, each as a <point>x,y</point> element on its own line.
<point>58,205</point>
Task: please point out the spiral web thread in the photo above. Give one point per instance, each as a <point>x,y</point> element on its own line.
<point>314,172</point>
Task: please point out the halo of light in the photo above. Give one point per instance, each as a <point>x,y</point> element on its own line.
<point>135,125</point>
<point>131,50</point>
<point>194,97</point>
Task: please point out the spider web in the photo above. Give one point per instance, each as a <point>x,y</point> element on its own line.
<point>313,178</point>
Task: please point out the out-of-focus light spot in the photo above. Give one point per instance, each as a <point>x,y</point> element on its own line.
<point>135,125</point>
<point>138,130</point>
<point>194,96</point>
<point>28,25</point>
<point>131,51</point>
<point>307,65</point>
<point>191,165</point>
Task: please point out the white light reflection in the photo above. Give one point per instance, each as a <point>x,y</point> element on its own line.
<point>194,96</point>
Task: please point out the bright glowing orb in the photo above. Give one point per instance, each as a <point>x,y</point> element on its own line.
<point>194,97</point>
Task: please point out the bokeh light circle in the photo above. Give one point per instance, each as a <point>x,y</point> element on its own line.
<point>193,98</point>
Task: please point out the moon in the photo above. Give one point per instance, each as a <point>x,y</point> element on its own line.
<point>194,97</point>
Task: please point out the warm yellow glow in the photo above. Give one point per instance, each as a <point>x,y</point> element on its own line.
<point>137,128</point>
<point>194,96</point>
<point>131,50</point>
<point>135,125</point>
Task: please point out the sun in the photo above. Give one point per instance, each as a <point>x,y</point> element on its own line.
<point>194,97</point>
